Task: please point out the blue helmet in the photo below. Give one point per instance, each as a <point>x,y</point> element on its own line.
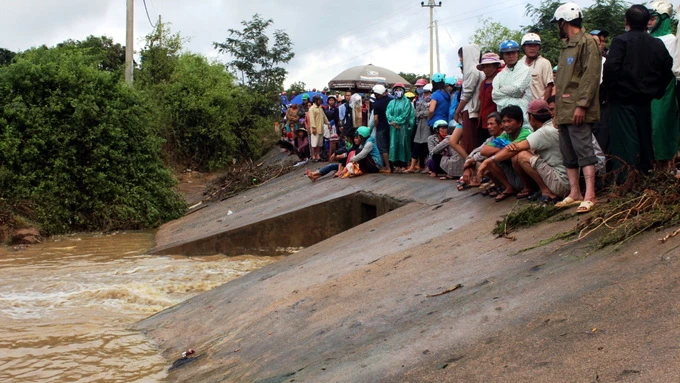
<point>364,131</point>
<point>509,46</point>
<point>438,77</point>
<point>450,80</point>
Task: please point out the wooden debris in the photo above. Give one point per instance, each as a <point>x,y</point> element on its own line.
<point>454,288</point>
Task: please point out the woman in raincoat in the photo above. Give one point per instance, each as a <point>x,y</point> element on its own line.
<point>665,117</point>
<point>402,117</point>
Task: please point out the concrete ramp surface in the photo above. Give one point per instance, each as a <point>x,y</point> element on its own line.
<point>422,293</point>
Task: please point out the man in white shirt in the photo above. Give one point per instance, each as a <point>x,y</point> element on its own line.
<point>541,68</point>
<point>539,158</point>
<point>512,85</point>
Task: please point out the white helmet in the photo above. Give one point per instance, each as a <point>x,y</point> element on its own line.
<point>427,88</point>
<point>379,89</point>
<point>531,38</point>
<point>567,12</point>
<point>661,7</point>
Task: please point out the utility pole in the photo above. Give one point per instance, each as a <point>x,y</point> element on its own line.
<point>431,4</point>
<point>436,39</point>
<point>129,42</point>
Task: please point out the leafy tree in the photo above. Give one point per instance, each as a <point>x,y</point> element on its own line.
<point>159,55</point>
<point>602,14</point>
<point>110,54</point>
<point>490,34</point>
<point>6,57</point>
<point>257,65</point>
<point>609,15</point>
<point>75,144</point>
<point>205,119</point>
<point>203,110</point>
<point>412,77</point>
<point>551,44</point>
<point>298,87</point>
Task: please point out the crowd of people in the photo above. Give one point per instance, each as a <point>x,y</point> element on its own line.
<point>515,125</point>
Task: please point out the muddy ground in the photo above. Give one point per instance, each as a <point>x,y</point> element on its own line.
<point>379,303</point>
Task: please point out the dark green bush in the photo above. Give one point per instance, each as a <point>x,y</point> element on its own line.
<point>207,120</point>
<point>76,143</point>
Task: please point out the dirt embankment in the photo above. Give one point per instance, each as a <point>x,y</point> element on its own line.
<point>425,294</point>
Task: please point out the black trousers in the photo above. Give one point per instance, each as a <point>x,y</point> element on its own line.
<point>630,141</point>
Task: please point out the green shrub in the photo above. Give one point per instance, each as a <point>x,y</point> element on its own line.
<point>76,143</point>
<point>207,120</point>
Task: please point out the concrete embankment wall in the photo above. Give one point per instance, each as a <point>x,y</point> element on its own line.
<point>376,303</point>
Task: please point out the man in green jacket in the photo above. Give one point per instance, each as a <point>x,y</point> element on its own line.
<point>577,107</point>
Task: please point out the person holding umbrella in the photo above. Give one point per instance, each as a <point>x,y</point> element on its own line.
<point>401,117</point>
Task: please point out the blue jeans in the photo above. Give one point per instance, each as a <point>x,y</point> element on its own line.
<point>328,168</point>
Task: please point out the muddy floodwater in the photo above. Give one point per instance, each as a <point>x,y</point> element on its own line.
<point>66,305</point>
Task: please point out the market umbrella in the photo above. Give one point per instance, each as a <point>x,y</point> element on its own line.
<point>364,77</point>
<point>298,99</point>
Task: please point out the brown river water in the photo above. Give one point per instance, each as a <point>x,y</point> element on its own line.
<point>66,305</point>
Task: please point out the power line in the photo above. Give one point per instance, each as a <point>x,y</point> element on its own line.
<point>447,31</point>
<point>484,12</point>
<point>147,14</point>
<point>477,10</point>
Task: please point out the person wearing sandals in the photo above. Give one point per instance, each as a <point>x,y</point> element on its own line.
<point>538,159</point>
<point>578,105</point>
<point>476,157</point>
<point>499,163</point>
<point>444,161</point>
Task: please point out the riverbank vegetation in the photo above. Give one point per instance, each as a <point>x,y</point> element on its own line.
<point>82,150</point>
<point>643,203</point>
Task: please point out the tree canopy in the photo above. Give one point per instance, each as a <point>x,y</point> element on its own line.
<point>255,62</point>
<point>412,77</point>
<point>78,148</point>
<point>490,34</point>
<point>298,87</point>
<point>602,14</point>
<point>6,57</point>
<point>111,55</point>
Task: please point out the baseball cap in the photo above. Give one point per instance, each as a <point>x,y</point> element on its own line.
<point>538,107</point>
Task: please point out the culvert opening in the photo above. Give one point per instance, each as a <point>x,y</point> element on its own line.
<point>302,228</point>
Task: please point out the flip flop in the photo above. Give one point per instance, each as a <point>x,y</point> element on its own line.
<point>495,192</point>
<point>568,202</point>
<point>463,186</point>
<point>548,200</point>
<point>504,195</point>
<point>524,194</point>
<point>585,206</point>
<point>537,197</point>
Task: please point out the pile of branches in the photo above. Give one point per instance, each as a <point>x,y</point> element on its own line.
<point>241,178</point>
<point>642,203</point>
<point>524,216</point>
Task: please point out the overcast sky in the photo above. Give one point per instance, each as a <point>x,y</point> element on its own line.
<point>328,36</point>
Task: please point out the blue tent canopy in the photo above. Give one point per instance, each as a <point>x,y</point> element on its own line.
<point>298,99</point>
